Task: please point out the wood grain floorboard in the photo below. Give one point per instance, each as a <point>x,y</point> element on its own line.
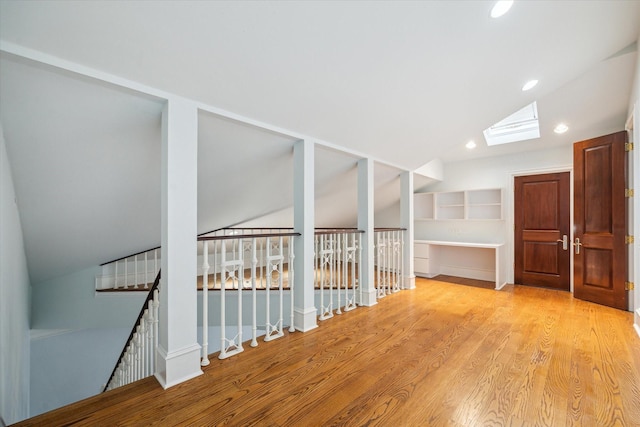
<point>440,355</point>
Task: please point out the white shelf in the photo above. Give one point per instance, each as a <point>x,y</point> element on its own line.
<point>484,204</point>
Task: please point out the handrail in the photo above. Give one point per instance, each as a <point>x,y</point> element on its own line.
<point>156,283</point>
<point>201,236</point>
<point>390,229</point>
<point>129,256</point>
<point>245,236</point>
<point>322,231</point>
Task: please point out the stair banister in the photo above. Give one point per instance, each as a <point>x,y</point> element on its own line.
<point>134,330</point>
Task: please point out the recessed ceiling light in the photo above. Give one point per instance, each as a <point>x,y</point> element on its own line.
<point>561,128</point>
<point>470,145</point>
<point>500,8</point>
<point>529,85</point>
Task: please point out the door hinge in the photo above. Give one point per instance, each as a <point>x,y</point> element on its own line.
<point>629,286</point>
<point>628,239</point>
<point>628,192</point>
<point>628,146</point>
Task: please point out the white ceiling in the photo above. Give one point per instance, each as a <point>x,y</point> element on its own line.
<point>403,82</point>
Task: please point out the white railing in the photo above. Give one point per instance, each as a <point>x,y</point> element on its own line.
<point>337,269</point>
<point>137,359</point>
<point>132,272</point>
<point>389,260</point>
<point>255,260</point>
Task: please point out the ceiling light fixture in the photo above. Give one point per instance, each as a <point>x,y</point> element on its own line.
<point>529,85</point>
<point>500,8</point>
<point>470,145</point>
<point>561,128</point>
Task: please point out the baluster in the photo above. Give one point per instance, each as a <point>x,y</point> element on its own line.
<point>150,347</point>
<point>223,279</point>
<point>402,272</point>
<point>155,261</point>
<point>205,304</point>
<point>143,344</point>
<point>290,272</point>
<point>135,271</point>
<point>254,320</point>
<point>316,255</point>
<point>115,276</point>
<point>378,253</point>
<point>240,280</point>
<point>322,256</point>
<point>337,272</point>
<point>268,290</point>
<point>389,260</point>
<point>146,271</point>
<point>126,279</point>
<point>359,260</point>
<point>280,286</point>
<point>156,305</point>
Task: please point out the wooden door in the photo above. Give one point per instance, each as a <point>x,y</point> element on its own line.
<point>542,225</point>
<point>600,251</point>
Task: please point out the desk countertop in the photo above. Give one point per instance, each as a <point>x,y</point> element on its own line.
<point>465,244</point>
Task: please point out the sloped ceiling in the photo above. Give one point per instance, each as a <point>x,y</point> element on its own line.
<point>402,82</point>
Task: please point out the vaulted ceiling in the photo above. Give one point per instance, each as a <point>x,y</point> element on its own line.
<point>402,82</point>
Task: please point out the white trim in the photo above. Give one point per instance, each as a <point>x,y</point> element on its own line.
<point>36,334</point>
<point>509,214</point>
<point>305,321</point>
<point>178,366</point>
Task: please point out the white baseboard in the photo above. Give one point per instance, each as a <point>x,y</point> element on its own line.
<point>305,320</point>
<point>178,366</point>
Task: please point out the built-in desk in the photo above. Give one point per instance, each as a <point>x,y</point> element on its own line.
<point>482,261</point>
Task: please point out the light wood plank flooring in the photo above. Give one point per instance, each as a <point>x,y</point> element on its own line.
<point>440,355</point>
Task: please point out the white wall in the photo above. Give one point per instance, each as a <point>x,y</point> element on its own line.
<point>14,302</point>
<point>71,365</point>
<point>70,302</point>
<point>490,172</point>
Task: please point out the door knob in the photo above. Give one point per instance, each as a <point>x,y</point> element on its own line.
<point>565,242</point>
<point>577,244</point>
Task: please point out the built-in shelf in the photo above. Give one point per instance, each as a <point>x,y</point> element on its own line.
<point>485,204</point>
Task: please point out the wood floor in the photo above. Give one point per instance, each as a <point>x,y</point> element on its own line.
<point>440,355</point>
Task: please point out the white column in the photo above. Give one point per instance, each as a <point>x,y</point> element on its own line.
<point>178,353</point>
<point>304,311</point>
<point>406,221</point>
<point>365,223</point>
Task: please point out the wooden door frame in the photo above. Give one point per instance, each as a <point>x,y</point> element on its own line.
<point>510,215</point>
<point>633,130</point>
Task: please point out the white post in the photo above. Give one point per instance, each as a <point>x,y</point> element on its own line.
<point>254,304</point>
<point>290,272</point>
<point>126,273</point>
<point>365,223</point>
<point>178,352</point>
<point>406,222</point>
<point>205,304</point>
<point>303,219</point>
<point>135,271</point>
<point>146,271</point>
<point>223,302</point>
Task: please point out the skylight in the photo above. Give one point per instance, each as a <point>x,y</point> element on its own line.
<point>519,126</point>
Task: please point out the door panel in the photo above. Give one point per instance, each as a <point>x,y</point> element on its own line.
<point>542,218</point>
<point>600,260</point>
